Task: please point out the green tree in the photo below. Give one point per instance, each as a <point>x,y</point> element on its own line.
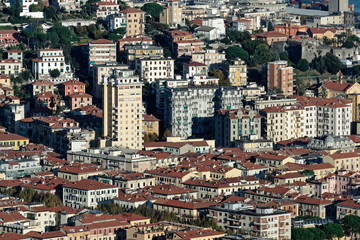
<point>270,26</point>
<point>55,73</point>
<point>323,92</point>
<point>50,12</point>
<point>17,9</point>
<point>263,54</point>
<point>284,56</point>
<point>333,230</point>
<point>217,73</point>
<point>303,65</point>
<point>318,233</point>
<point>153,9</point>
<point>110,208</point>
<point>357,69</point>
<point>351,224</point>
<point>301,234</point>
<point>332,62</point>
<point>235,52</point>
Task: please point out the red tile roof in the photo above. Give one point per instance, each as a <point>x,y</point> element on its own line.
<point>150,118</point>
<point>132,10</point>
<point>87,184</point>
<point>183,204</point>
<point>101,41</point>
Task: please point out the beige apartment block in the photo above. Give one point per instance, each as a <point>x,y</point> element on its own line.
<point>123,110</point>
<point>171,14</point>
<point>135,21</point>
<point>101,51</point>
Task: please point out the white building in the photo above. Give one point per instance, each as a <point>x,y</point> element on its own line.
<point>88,193</point>
<point>116,21</point>
<point>50,59</point>
<point>68,5</point>
<point>194,68</point>
<point>215,22</point>
<point>14,168</point>
<point>152,69</point>
<point>208,33</point>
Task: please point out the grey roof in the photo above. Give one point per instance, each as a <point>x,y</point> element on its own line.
<point>205,29</point>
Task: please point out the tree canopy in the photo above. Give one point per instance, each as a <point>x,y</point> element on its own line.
<point>153,9</point>
<point>235,52</point>
<point>333,230</point>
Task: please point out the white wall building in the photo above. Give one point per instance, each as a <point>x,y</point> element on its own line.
<point>88,193</point>
<point>215,22</point>
<point>50,59</point>
<point>152,69</point>
<point>116,21</point>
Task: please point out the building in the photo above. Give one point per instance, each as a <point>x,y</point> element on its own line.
<point>212,58</point>
<point>207,33</point>
<point>103,71</point>
<point>171,14</point>
<point>236,124</point>
<point>10,67</point>
<point>280,76</point>
<point>136,40</point>
<point>75,172</point>
<point>16,54</point>
<point>178,107</point>
<point>101,51</point>
<point>48,60</point>
<point>9,38</point>
<point>68,5</point>
<point>12,140</point>
<point>290,29</point>
<point>236,71</point>
<point>216,22</point>
<point>122,109</point>
<point>104,9</point>
<point>282,123</point>
<point>5,80</point>
<point>151,124</point>
<point>71,87</point>
<point>88,193</point>
<point>116,21</point>
<point>271,37</point>
<point>337,6</point>
<point>42,86</point>
<point>79,100</point>
<point>115,158</point>
<point>344,160</point>
<point>135,21</point>
<point>135,52</point>
<point>47,100</point>
<point>194,68</point>
<point>155,68</point>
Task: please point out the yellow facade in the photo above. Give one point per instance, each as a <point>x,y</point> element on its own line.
<point>236,71</point>
<point>13,140</point>
<point>151,124</point>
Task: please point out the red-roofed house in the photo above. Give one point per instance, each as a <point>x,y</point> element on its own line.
<point>79,100</point>
<point>71,87</point>
<point>348,207</point>
<point>346,161</point>
<point>9,38</point>
<point>271,36</point>
<point>194,68</point>
<point>47,100</point>
<point>151,124</point>
<point>313,207</point>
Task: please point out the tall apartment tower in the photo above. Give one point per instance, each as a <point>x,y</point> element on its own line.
<point>171,14</point>
<point>336,6</point>
<point>280,76</point>
<point>123,109</point>
<point>101,51</point>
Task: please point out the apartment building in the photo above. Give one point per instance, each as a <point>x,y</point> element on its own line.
<point>282,123</point>
<point>88,193</point>
<point>116,21</point>
<point>103,71</point>
<point>179,107</point>
<point>101,51</point>
<point>136,40</point>
<point>79,100</point>
<point>73,86</point>
<point>333,116</point>
<point>122,109</point>
<point>50,59</point>
<point>47,100</point>
<point>151,124</point>
<point>9,38</point>
<point>10,67</point>
<point>68,5</point>
<point>104,9</point>
<point>16,54</point>
<point>41,86</point>
<point>134,52</point>
<point>280,76</point>
<point>13,140</point>
<point>236,71</point>
<point>154,68</point>
<point>171,14</point>
<point>194,68</point>
<point>212,58</point>
<point>236,124</point>
<point>135,21</point>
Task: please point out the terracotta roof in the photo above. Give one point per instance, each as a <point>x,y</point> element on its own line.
<point>150,118</point>
<point>345,155</point>
<point>8,31</point>
<point>4,136</point>
<point>271,34</point>
<point>80,95</point>
<point>73,82</point>
<point>87,184</point>
<point>349,203</point>
<point>13,236</point>
<point>167,189</point>
<point>132,10</point>
<point>183,204</point>
<point>312,201</point>
<point>43,82</point>
<point>78,168</point>
<point>336,85</point>
<point>101,41</point>
<point>46,235</point>
<point>14,50</point>
<point>195,64</point>
<point>200,234</point>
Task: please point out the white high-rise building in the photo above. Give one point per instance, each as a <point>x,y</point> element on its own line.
<point>336,6</point>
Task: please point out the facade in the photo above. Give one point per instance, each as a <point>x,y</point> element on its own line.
<point>72,87</point>
<point>151,124</point>
<point>10,67</point>
<point>42,86</point>
<point>88,193</point>
<point>122,109</point>
<point>194,68</point>
<point>19,168</point>
<point>79,100</point>
<point>336,6</point>
<point>280,76</point>
<point>178,107</point>
<point>47,100</point>
<point>171,14</point>
<point>50,59</point>
<point>136,40</point>
<point>101,51</point>
<point>212,58</point>
<point>12,140</point>
<point>236,124</point>
<point>155,68</point>
<point>236,71</point>
<point>135,52</point>
<point>15,54</point>
<point>9,38</point>
<point>116,21</point>
<point>104,9</point>
<point>135,21</point>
